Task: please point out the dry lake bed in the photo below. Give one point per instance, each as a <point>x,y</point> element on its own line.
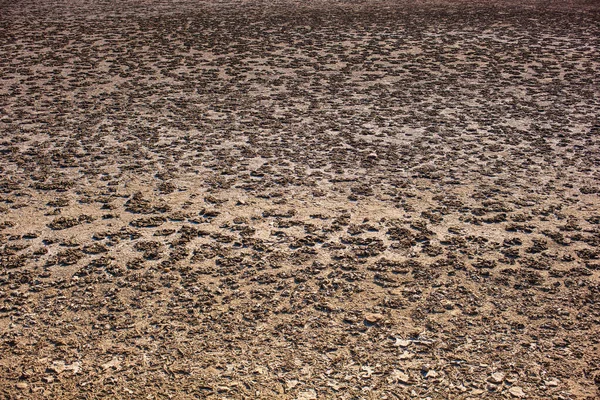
<point>299,199</point>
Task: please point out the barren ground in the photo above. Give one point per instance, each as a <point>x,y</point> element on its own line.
<point>299,200</point>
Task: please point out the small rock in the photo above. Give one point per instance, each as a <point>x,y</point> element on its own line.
<point>75,367</point>
<point>309,394</point>
<point>402,343</point>
<point>497,377</point>
<point>115,363</point>
<point>291,384</point>
<point>551,382</point>
<point>58,366</point>
<point>406,355</point>
<point>22,385</point>
<point>373,318</point>
<point>368,371</point>
<point>491,387</point>
<point>517,391</point>
<point>400,376</point>
<point>48,379</point>
<point>431,374</point>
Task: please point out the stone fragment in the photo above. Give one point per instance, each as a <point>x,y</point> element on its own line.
<point>517,391</point>
<point>115,363</point>
<point>402,342</point>
<point>291,384</point>
<point>551,382</point>
<point>431,374</point>
<point>373,318</point>
<point>400,376</point>
<point>309,394</point>
<point>497,377</point>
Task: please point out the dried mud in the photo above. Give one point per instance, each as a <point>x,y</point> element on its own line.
<point>299,200</point>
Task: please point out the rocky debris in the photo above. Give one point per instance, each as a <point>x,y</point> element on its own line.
<point>325,199</point>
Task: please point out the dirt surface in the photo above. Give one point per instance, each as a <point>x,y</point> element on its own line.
<point>299,200</point>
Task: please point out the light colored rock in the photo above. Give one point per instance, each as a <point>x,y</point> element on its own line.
<point>310,394</point>
<point>497,377</point>
<point>551,382</point>
<point>291,384</point>
<point>402,342</point>
<point>368,371</point>
<point>60,366</point>
<point>75,367</point>
<point>400,376</point>
<point>261,370</point>
<point>373,318</point>
<point>22,385</point>
<point>431,374</point>
<point>517,392</point>
<point>114,363</point>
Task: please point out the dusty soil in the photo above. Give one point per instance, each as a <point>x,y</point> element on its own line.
<point>299,200</point>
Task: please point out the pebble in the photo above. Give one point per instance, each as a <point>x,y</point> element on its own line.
<point>400,376</point>
<point>291,384</point>
<point>309,394</point>
<point>402,343</point>
<point>114,363</point>
<point>517,391</point>
<point>431,374</point>
<point>497,377</point>
<point>22,385</point>
<point>373,318</point>
<point>551,382</point>
<point>491,387</point>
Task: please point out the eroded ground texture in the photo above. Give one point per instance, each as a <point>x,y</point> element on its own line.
<point>299,200</point>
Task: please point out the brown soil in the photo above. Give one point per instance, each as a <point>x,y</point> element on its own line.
<point>299,200</point>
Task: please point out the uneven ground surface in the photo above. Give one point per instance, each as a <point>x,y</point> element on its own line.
<point>299,200</point>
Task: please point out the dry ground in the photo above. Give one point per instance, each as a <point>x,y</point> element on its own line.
<point>298,200</point>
